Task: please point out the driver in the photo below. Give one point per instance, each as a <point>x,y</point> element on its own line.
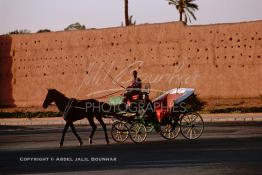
<point>136,83</point>
<point>135,87</point>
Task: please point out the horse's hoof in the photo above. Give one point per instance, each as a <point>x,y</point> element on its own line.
<point>80,143</point>
<point>107,141</point>
<point>61,145</point>
<point>90,141</point>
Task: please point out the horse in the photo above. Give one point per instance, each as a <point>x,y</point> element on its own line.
<point>74,110</point>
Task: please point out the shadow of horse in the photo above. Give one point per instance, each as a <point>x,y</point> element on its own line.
<point>74,110</point>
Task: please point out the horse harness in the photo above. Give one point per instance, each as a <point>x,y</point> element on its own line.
<point>69,106</point>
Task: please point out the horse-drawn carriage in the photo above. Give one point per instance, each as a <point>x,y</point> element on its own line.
<point>169,114</point>
<point>134,117</point>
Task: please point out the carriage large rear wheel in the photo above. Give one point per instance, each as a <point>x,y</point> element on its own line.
<point>191,125</point>
<point>119,131</point>
<point>137,132</point>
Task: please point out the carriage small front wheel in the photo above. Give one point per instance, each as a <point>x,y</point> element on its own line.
<point>191,125</point>
<point>119,131</point>
<point>137,132</point>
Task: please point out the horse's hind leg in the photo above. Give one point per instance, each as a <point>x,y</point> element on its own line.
<point>92,123</point>
<point>99,118</point>
<point>63,135</point>
<point>77,136</point>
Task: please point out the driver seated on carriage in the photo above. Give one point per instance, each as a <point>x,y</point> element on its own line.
<point>134,91</point>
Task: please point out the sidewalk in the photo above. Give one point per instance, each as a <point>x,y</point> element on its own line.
<point>247,117</point>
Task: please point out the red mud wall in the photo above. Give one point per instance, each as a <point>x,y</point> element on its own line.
<point>219,61</point>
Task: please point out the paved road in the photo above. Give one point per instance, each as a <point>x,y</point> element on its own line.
<point>222,149</point>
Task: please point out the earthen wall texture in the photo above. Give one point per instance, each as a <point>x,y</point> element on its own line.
<point>218,61</point>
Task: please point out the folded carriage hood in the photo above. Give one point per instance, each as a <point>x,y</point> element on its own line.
<point>186,92</point>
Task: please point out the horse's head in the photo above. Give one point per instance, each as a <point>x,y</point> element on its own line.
<point>49,98</point>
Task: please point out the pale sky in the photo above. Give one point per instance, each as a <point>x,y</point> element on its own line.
<point>58,14</point>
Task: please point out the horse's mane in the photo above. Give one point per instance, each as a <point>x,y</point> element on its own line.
<point>58,93</point>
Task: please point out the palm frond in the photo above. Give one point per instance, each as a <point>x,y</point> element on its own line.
<point>192,5</point>
<point>172,2</point>
<point>191,13</point>
<point>188,18</point>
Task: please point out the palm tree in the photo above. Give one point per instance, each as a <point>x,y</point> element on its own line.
<point>126,13</point>
<point>185,8</point>
<point>128,19</point>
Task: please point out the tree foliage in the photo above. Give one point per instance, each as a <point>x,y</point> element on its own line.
<point>186,9</point>
<point>75,26</point>
<point>131,21</point>
<point>22,31</point>
<point>43,30</point>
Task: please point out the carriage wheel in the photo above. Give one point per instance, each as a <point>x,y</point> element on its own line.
<point>119,131</point>
<point>138,132</point>
<point>168,132</point>
<point>191,126</point>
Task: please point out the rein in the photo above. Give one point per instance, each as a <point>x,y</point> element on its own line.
<point>108,95</point>
<point>112,79</point>
<point>71,100</point>
<point>68,106</point>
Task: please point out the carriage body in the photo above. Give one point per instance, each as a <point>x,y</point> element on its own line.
<point>167,114</point>
<point>171,102</point>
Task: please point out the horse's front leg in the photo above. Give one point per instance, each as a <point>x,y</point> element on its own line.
<point>92,123</point>
<point>99,118</point>
<point>77,136</point>
<point>63,135</point>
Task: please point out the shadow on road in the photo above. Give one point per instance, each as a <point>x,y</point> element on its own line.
<point>150,154</point>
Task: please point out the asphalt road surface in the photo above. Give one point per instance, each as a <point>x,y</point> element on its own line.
<point>234,148</point>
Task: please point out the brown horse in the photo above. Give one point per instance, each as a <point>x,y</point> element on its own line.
<point>74,110</point>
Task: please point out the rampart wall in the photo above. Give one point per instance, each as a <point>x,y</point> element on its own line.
<point>219,61</point>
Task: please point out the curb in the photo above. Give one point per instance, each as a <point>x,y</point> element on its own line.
<point>248,117</point>
<point>210,118</point>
